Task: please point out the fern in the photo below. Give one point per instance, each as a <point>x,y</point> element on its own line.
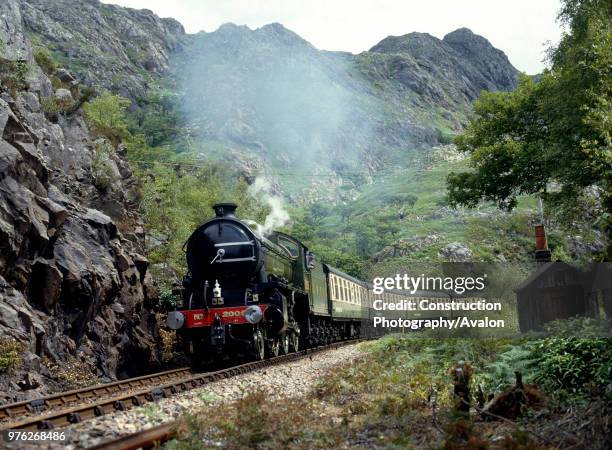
<point>499,374</point>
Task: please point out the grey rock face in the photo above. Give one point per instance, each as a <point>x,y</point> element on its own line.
<point>72,287</point>
<point>492,63</point>
<point>107,45</point>
<point>405,247</point>
<point>461,64</point>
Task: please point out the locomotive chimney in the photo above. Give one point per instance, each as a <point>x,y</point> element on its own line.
<point>542,254</point>
<point>225,209</point>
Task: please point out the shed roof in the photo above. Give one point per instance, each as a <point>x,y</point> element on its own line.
<point>540,271</point>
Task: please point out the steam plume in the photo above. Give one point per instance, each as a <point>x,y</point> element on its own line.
<point>278,216</point>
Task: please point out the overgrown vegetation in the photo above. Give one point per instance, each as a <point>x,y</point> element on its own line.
<point>44,60</point>
<point>106,117</point>
<point>10,353</point>
<point>102,171</point>
<point>53,105</point>
<point>13,75</point>
<point>399,395</point>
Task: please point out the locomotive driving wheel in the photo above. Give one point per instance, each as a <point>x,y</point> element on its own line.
<point>274,346</point>
<point>285,343</point>
<point>294,341</point>
<point>259,345</point>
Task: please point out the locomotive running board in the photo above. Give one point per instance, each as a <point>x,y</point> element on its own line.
<point>228,244</point>
<point>221,261</point>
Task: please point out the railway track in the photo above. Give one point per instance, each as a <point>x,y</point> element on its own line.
<point>145,439</point>
<point>154,437</point>
<point>14,412</point>
<point>106,399</point>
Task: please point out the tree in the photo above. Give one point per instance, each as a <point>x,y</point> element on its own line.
<point>553,136</point>
<point>106,116</point>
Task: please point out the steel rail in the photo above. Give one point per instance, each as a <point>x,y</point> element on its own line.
<point>13,411</point>
<point>145,439</point>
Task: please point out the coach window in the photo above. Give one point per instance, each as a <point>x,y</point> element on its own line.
<point>336,288</point>
<point>347,297</point>
<point>348,291</point>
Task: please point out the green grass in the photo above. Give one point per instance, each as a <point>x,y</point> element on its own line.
<point>399,394</point>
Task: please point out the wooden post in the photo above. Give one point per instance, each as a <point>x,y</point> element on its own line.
<point>461,374</point>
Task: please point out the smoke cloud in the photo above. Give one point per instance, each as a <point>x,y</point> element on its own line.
<point>305,115</point>
<point>278,215</point>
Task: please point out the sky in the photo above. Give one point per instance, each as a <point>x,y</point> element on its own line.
<point>521,28</point>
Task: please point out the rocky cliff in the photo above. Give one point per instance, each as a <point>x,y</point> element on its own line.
<point>104,45</point>
<point>74,287</point>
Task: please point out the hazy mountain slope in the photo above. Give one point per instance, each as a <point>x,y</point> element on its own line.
<point>269,94</point>
<point>269,100</point>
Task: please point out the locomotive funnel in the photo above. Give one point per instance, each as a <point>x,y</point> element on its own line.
<point>225,209</point>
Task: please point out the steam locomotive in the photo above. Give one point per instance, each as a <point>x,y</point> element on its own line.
<point>246,293</point>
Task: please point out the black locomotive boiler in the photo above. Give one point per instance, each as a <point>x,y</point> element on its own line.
<point>264,295</point>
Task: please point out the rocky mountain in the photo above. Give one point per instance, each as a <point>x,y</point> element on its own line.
<point>75,292</point>
<point>267,98</point>
<point>268,93</point>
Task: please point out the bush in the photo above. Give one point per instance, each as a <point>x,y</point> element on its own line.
<point>572,364</point>
<point>44,60</point>
<point>53,105</point>
<point>102,171</point>
<point>10,354</point>
<point>106,117</point>
<point>167,300</point>
<point>13,75</point>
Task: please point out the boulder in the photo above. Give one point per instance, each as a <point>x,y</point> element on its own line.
<point>456,252</point>
<point>63,95</point>
<point>64,75</point>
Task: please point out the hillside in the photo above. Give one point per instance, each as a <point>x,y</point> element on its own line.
<point>314,126</point>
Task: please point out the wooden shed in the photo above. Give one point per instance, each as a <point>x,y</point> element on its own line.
<point>556,290</point>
